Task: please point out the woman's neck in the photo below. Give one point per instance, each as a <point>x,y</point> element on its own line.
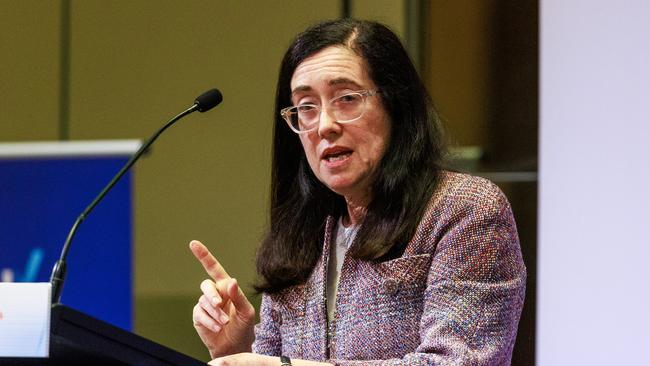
<point>356,212</point>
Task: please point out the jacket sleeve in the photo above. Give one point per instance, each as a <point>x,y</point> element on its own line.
<point>475,286</point>
<point>267,334</point>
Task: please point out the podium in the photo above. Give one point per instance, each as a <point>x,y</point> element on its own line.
<point>79,339</point>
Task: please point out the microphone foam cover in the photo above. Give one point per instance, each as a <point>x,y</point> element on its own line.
<point>208,100</point>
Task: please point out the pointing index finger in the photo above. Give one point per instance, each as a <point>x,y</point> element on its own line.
<point>209,262</point>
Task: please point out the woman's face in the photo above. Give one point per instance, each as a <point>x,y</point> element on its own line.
<point>344,157</point>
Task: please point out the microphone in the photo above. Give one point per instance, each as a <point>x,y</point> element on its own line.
<point>208,100</point>
<point>202,103</point>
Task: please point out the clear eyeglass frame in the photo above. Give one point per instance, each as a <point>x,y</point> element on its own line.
<point>291,114</point>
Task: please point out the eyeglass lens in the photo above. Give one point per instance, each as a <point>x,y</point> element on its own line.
<point>345,108</point>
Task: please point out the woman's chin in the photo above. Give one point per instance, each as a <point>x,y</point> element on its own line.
<point>339,187</point>
<point>348,189</point>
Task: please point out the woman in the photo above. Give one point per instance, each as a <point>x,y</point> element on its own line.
<point>374,255</point>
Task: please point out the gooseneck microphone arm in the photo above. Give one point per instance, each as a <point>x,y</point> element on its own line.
<point>203,103</point>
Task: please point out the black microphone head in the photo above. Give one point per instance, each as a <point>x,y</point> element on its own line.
<point>208,100</point>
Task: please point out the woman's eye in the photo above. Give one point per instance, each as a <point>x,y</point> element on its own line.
<point>306,108</point>
<point>348,98</point>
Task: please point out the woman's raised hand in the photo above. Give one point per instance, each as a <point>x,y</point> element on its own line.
<point>223,316</point>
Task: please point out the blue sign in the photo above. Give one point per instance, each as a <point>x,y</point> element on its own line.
<point>40,198</point>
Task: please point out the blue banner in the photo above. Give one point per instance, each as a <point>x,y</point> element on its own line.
<point>40,198</point>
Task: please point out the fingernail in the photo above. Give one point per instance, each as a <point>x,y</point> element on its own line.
<point>216,328</point>
<point>224,319</point>
<point>215,301</point>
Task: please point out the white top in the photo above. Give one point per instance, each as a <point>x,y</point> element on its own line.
<point>339,246</point>
<point>68,148</point>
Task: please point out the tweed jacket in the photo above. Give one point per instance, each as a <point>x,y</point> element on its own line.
<point>453,298</point>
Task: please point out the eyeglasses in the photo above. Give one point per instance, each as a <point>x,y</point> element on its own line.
<point>345,108</point>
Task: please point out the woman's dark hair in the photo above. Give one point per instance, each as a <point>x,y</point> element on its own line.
<point>406,176</point>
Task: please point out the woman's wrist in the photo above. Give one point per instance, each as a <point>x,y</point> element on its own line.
<point>216,353</point>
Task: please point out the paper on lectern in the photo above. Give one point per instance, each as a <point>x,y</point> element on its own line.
<point>25,319</point>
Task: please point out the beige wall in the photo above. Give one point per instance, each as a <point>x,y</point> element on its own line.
<point>29,70</point>
<point>458,66</point>
<point>133,66</point>
<point>390,12</point>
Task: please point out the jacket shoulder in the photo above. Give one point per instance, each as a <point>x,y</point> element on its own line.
<point>458,189</point>
<point>460,201</point>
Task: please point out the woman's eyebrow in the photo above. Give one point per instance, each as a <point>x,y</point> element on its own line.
<point>333,82</point>
<point>344,81</point>
<point>301,88</point>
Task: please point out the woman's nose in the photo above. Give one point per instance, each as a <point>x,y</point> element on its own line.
<point>327,124</point>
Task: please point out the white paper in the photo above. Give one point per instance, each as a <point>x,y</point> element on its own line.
<point>25,319</point>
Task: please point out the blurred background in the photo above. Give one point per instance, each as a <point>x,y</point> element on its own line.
<point>96,70</point>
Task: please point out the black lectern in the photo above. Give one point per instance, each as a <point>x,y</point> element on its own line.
<point>79,339</point>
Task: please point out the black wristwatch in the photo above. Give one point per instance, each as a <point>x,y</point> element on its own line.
<point>285,361</point>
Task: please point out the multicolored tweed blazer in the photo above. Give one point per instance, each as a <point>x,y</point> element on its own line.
<point>453,298</point>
